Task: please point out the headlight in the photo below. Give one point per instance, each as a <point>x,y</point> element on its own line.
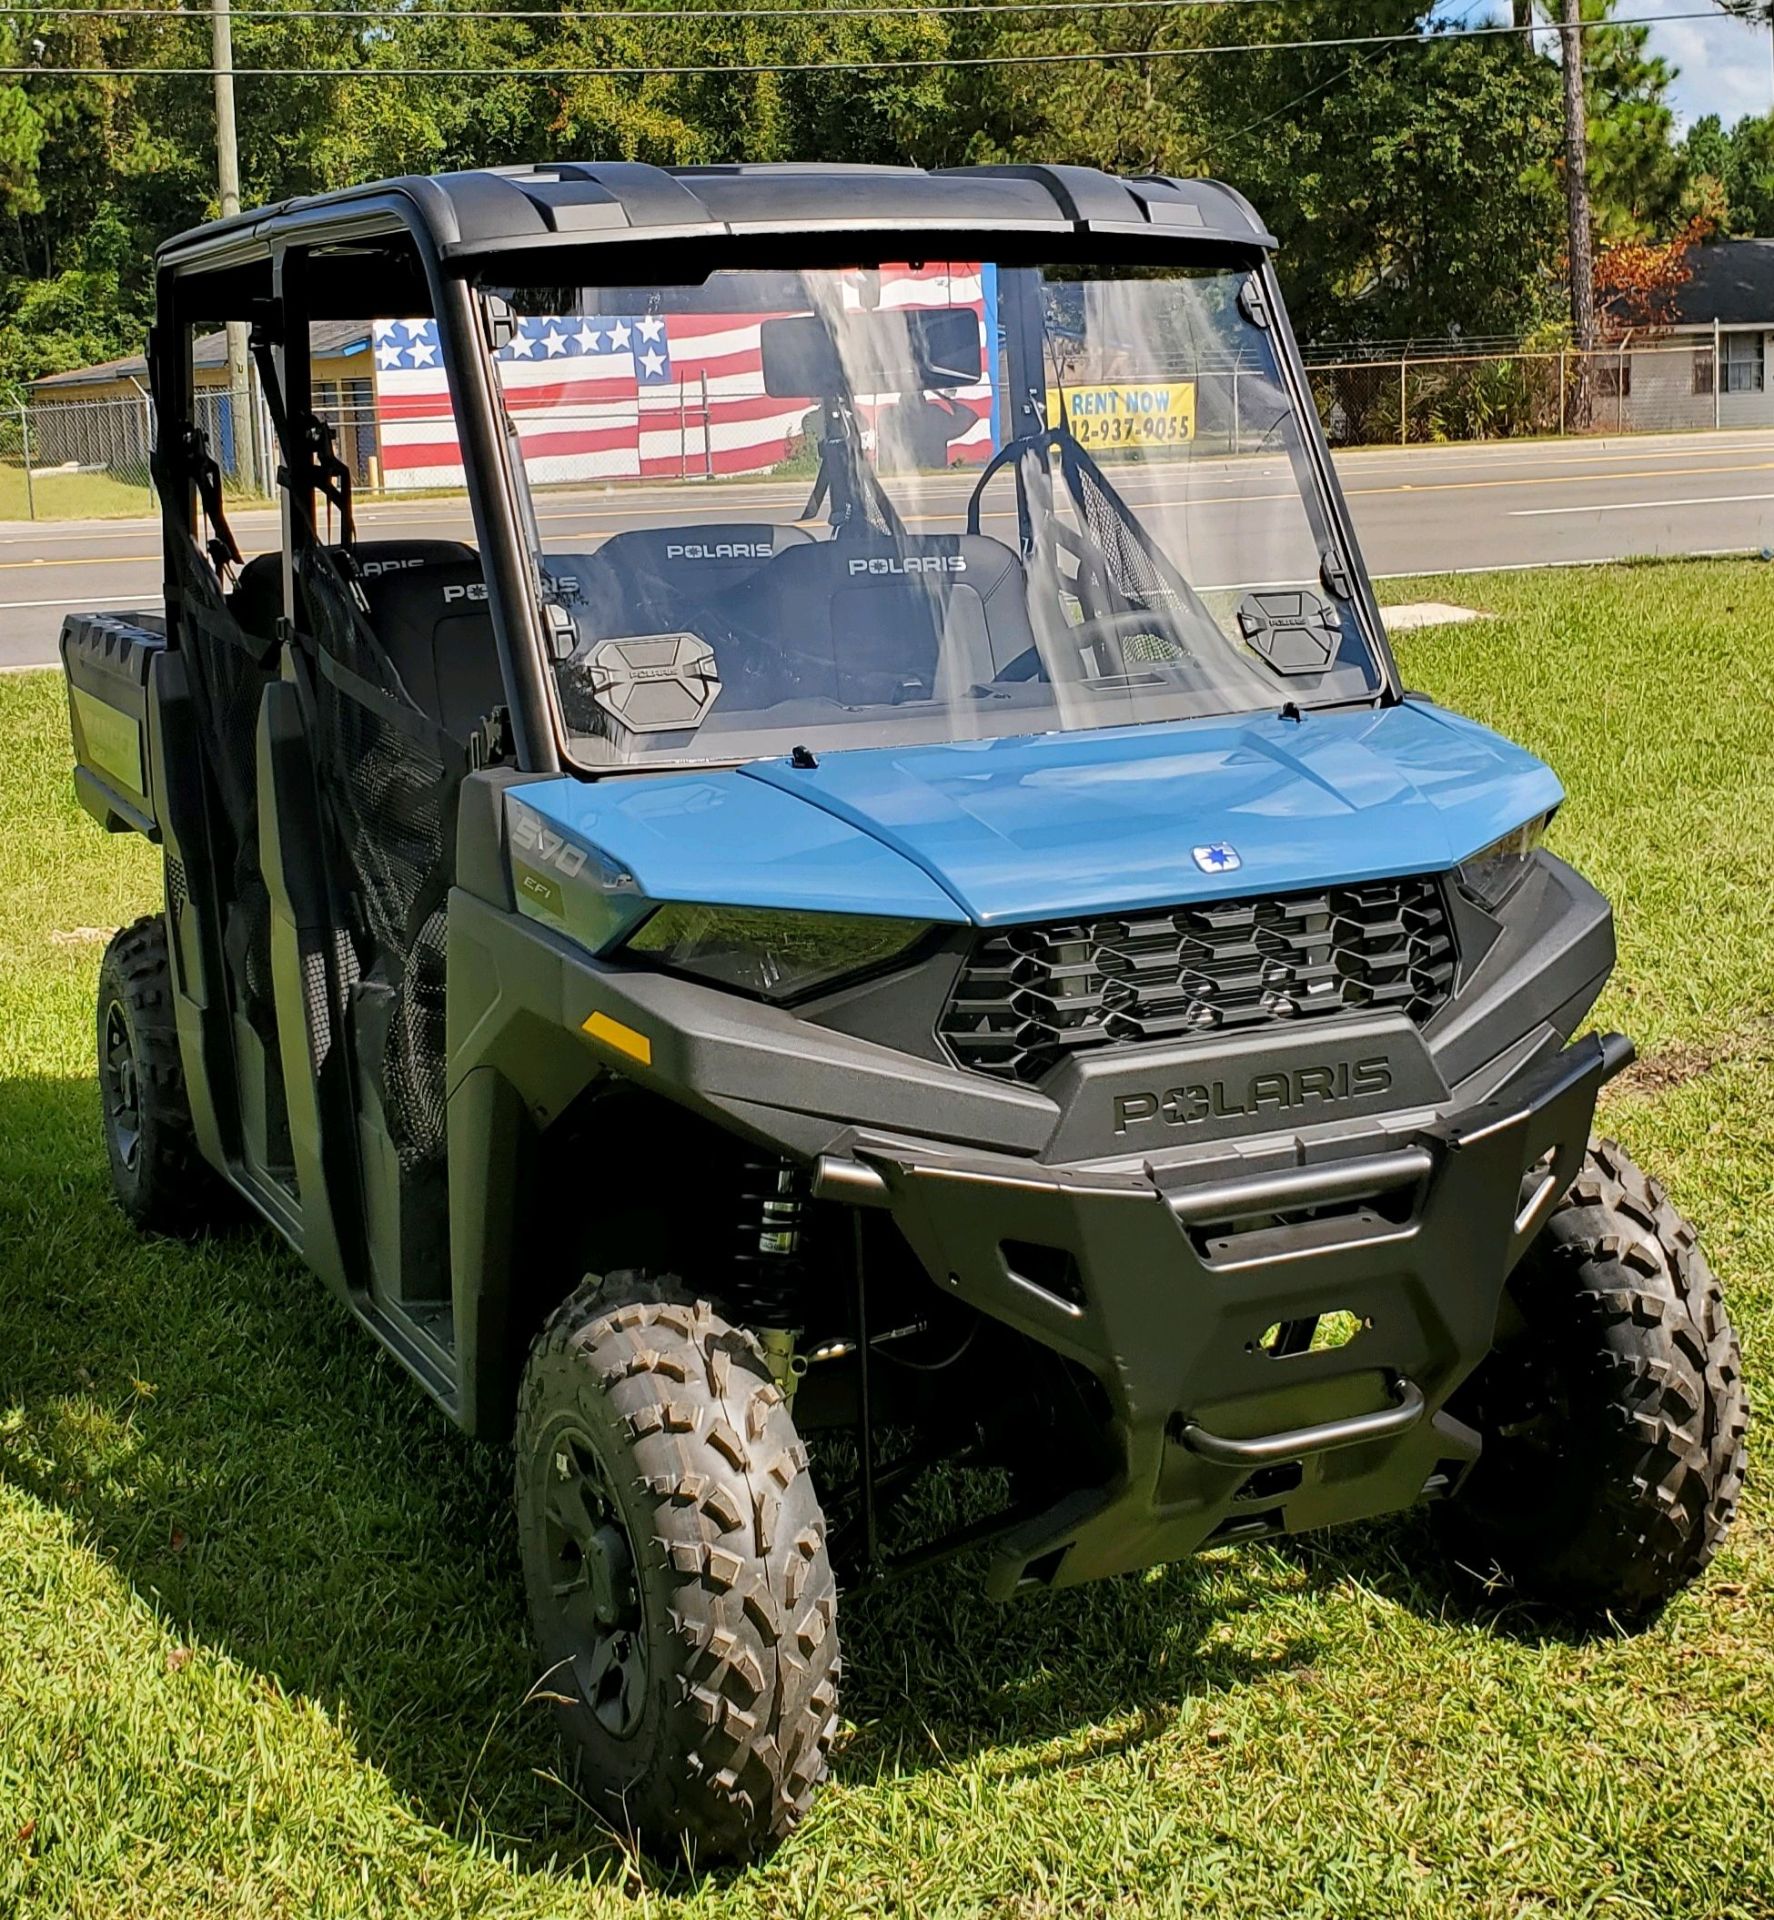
<point>1492,873</point>
<point>776,956</point>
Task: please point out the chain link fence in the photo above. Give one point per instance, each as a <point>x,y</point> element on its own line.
<point>62,459</point>
<point>78,458</point>
<point>1662,387</point>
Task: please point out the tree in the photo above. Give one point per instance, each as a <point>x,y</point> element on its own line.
<point>1638,282</point>
<point>1423,207</point>
<point>1749,182</point>
<point>1581,254</point>
<point>1635,173</point>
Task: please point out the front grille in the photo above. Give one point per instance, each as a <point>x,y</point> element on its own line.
<point>1029,996</point>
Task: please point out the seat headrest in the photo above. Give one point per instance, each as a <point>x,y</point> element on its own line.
<point>378,558</point>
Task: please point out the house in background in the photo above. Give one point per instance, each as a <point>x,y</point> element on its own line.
<point>99,416</point>
<point>1710,365</point>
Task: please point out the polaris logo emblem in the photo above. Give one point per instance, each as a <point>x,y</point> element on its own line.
<point>475,593</point>
<point>1280,1092</point>
<point>374,569</point>
<point>1217,857</point>
<point>910,563</point>
<point>722,550</point>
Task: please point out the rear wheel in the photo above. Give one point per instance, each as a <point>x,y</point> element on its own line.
<point>675,1558</point>
<point>1612,1410</point>
<point>159,1178</point>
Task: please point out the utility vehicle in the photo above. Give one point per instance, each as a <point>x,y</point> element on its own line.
<point>874,882</point>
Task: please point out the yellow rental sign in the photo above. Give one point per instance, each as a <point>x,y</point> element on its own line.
<point>1129,413</point>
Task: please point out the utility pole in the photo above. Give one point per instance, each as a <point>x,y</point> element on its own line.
<point>228,185</point>
<point>1582,246</point>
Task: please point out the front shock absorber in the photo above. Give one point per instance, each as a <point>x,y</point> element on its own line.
<point>768,1271</point>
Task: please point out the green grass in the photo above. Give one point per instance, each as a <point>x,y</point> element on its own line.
<point>70,496</point>
<point>260,1632</point>
<point>87,496</point>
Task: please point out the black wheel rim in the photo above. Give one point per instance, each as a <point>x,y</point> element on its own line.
<point>592,1583</point>
<point>123,1094</point>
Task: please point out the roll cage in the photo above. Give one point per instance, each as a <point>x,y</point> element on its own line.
<point>427,245</point>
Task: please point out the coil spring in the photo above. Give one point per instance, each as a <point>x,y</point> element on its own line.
<point>767,1269</point>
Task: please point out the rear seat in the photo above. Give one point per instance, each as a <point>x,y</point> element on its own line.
<point>428,607</point>
<point>436,625</point>
<point>257,598</point>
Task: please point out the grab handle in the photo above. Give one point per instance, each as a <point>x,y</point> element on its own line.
<point>1349,1432</point>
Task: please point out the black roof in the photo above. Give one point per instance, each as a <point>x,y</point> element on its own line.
<point>516,209</point>
<point>1732,282</point>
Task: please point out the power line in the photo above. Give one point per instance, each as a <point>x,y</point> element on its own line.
<point>1336,79</point>
<point>407,16</point>
<point>891,65</point>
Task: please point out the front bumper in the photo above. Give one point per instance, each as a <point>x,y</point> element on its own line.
<point>1164,1286</point>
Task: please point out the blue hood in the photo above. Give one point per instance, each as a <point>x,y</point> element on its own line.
<point>1108,822</point>
<point>999,831</point>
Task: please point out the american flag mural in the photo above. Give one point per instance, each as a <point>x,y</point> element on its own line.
<point>601,397</point>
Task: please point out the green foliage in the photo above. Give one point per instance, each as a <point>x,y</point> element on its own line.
<point>1415,190</point>
<point>1635,171</point>
<point>1738,165</point>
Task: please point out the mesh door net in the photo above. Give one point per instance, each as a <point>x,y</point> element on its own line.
<point>389,778</point>
<point>228,670</point>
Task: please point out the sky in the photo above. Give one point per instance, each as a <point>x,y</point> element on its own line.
<point>1726,65</point>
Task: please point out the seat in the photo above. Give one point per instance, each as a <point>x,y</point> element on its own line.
<point>867,622</point>
<point>257,599</point>
<point>660,579</point>
<point>434,622</point>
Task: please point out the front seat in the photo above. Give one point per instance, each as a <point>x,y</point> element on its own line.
<point>662,579</point>
<point>869,622</point>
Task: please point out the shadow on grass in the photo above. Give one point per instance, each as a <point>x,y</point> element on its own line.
<point>276,1489</point>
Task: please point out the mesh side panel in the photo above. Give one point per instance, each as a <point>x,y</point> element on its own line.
<point>384,790</point>
<point>316,1007</point>
<point>413,1066</point>
<point>227,686</point>
<point>389,779</point>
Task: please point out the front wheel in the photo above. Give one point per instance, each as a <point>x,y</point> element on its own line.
<point>674,1554</point>
<point>1612,1410</point>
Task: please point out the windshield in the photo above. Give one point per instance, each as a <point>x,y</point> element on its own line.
<point>914,503</point>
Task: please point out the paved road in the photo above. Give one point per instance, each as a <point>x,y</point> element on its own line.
<point>1418,510</point>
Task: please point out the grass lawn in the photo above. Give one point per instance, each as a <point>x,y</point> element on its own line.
<point>86,496</point>
<point>261,1649</point>
<point>69,496</point>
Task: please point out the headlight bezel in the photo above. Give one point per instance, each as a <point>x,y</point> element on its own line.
<point>1491,875</point>
<point>771,954</point>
